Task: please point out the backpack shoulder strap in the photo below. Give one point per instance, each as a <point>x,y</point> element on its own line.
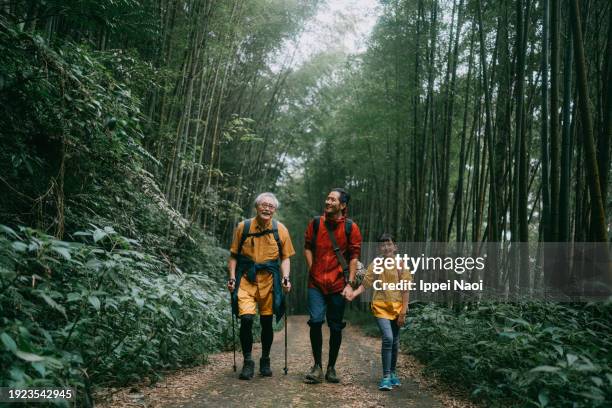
<point>348,227</point>
<point>245,233</point>
<point>315,231</point>
<point>338,252</point>
<point>277,239</point>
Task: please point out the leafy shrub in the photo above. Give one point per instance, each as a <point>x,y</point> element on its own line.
<point>94,308</point>
<point>72,134</point>
<point>536,354</point>
<point>100,311</point>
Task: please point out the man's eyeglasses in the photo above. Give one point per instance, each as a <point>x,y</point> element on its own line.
<point>267,206</point>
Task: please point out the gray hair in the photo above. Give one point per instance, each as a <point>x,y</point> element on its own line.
<point>260,198</point>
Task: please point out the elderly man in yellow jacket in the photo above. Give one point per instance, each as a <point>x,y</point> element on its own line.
<point>259,269</point>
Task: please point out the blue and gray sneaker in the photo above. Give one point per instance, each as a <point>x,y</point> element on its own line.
<point>385,384</point>
<point>395,381</point>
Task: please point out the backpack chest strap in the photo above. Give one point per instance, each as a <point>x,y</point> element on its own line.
<point>246,233</point>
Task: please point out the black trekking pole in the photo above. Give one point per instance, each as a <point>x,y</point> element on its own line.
<point>233,331</point>
<point>286,311</point>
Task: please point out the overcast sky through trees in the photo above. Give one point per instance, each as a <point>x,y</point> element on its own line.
<point>339,25</point>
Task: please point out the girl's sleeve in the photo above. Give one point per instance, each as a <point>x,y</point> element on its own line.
<point>406,274</point>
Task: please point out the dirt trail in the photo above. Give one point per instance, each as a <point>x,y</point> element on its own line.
<point>359,367</point>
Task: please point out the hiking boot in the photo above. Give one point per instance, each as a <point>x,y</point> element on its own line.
<point>315,376</point>
<point>395,381</point>
<point>385,384</point>
<point>330,375</point>
<point>248,369</point>
<point>264,367</point>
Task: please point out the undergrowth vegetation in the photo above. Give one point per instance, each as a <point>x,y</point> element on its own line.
<point>99,310</point>
<point>534,354</point>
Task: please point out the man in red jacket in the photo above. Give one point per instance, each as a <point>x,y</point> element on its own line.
<point>330,278</point>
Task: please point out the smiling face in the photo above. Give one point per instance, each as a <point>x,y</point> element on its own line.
<point>265,209</point>
<point>333,206</point>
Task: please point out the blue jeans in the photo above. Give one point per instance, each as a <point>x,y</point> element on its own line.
<point>390,344</point>
<point>322,306</point>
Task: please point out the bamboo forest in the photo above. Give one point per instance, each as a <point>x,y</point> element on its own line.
<point>136,136</point>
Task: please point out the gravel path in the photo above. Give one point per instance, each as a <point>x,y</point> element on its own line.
<point>359,368</point>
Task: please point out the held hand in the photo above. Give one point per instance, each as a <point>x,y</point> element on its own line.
<point>286,285</point>
<point>347,292</point>
<point>401,320</point>
<point>231,285</point>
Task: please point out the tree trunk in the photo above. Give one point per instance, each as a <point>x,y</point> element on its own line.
<point>554,122</point>
<point>597,209</point>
